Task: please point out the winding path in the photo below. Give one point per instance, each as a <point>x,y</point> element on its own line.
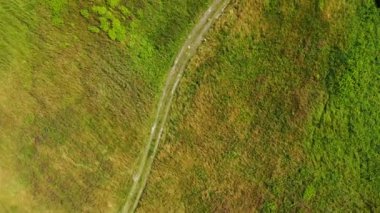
<point>186,53</point>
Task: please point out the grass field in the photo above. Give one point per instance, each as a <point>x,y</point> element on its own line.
<point>278,112</point>
<point>76,106</point>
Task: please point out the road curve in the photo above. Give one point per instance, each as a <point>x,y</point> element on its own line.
<point>186,53</point>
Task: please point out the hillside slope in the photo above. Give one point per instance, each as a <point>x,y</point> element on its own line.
<point>76,106</point>
<point>279,111</point>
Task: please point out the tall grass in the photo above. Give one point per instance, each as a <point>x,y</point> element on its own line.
<point>75,106</point>
<point>278,112</point>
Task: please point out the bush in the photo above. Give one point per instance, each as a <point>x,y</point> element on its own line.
<point>108,21</point>
<point>125,11</point>
<point>99,10</point>
<point>113,3</point>
<point>104,24</point>
<point>120,33</point>
<point>85,13</point>
<point>112,34</point>
<point>56,7</point>
<point>94,29</point>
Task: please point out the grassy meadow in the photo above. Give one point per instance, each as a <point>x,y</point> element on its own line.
<point>79,82</point>
<point>278,112</point>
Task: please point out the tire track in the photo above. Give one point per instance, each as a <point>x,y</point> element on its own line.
<point>187,51</point>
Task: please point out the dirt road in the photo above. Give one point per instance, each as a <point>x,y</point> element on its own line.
<point>186,53</point>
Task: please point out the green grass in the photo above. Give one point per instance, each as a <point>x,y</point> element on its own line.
<point>57,8</point>
<point>76,106</point>
<point>346,138</point>
<point>278,112</point>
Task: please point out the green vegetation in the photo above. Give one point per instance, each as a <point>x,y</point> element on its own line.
<point>113,3</point>
<point>85,13</point>
<point>75,107</point>
<point>109,20</point>
<point>278,112</point>
<point>57,7</point>
<point>93,29</point>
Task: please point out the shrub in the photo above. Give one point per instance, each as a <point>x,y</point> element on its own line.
<point>56,7</point>
<point>85,13</point>
<point>116,23</point>
<point>113,3</point>
<point>94,29</point>
<point>125,11</point>
<point>120,33</point>
<point>112,34</point>
<point>104,24</point>
<point>108,15</point>
<point>108,21</point>
<point>100,10</point>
